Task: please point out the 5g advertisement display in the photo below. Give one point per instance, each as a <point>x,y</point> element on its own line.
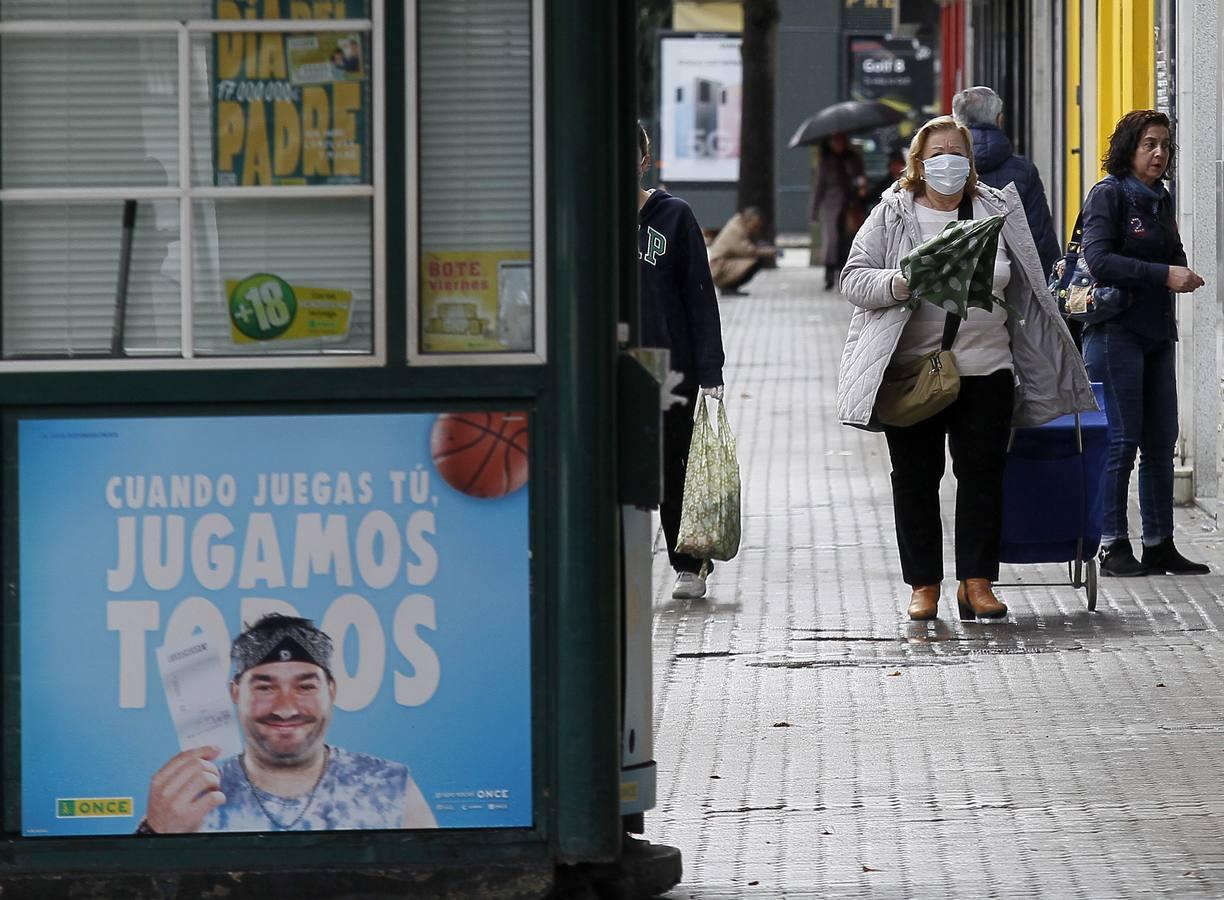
<point>274,623</point>
<point>701,87</point>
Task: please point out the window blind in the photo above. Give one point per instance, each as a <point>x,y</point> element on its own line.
<point>105,9</point>
<point>60,273</point>
<point>322,244</point>
<point>101,112</point>
<point>474,81</point>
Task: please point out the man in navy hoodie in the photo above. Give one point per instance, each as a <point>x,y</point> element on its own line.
<point>980,110</point>
<point>679,312</point>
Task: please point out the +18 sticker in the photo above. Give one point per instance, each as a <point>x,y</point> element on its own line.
<point>262,306</point>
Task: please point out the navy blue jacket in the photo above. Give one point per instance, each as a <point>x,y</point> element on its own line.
<point>679,306</point>
<point>997,166</point>
<point>1130,240</point>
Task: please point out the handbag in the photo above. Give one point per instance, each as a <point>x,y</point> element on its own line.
<point>920,389</point>
<point>1079,296</point>
<point>710,505</point>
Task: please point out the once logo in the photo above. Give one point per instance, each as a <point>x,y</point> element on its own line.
<point>93,807</point>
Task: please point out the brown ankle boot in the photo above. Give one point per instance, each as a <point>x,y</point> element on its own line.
<point>975,599</point>
<point>924,602</point>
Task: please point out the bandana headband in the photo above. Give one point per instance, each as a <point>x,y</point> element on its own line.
<point>276,638</point>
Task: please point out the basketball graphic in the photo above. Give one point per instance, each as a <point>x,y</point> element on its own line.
<point>481,454</point>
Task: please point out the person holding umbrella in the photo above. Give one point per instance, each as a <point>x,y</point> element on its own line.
<point>1018,365</point>
<point>839,199</point>
<point>833,196</point>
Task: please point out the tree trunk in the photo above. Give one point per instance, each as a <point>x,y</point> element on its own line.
<point>756,173</point>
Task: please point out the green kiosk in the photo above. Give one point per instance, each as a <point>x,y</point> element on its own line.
<point>327,451</point>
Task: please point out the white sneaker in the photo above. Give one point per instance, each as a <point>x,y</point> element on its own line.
<point>689,586</point>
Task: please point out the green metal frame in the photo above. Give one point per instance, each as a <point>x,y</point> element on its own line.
<point>575,540</point>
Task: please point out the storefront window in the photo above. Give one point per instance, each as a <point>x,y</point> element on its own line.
<point>478,254</point>
<point>198,183</point>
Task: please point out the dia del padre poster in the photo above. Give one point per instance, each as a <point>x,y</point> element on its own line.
<point>290,108</point>
<point>152,549</point>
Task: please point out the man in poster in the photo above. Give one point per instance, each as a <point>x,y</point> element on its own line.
<point>287,778</point>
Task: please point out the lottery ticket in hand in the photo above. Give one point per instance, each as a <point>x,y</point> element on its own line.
<point>194,675</point>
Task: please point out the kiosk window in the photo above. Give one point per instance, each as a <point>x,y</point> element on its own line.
<point>190,183</point>
<point>477,256</point>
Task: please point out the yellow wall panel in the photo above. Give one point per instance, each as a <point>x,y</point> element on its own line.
<point>1073,182</point>
<point>708,16</point>
<point>1126,54</point>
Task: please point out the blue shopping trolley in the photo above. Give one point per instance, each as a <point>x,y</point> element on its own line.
<point>1052,502</point>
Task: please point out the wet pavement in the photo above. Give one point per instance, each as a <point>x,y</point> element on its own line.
<point>813,742</point>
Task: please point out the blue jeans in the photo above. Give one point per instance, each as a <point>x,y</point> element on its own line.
<point>1140,380</point>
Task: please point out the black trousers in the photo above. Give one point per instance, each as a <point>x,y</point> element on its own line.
<point>976,427</point>
<point>677,435</point>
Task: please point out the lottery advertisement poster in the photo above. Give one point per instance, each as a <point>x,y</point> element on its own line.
<point>476,301</point>
<point>265,308</point>
<point>274,623</point>
<point>290,108</point>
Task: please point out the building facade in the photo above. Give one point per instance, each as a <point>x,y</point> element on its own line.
<point>1068,70</point>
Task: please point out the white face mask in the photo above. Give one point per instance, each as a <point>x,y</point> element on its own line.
<point>946,173</point>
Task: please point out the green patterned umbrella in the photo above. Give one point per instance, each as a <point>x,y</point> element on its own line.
<point>955,269</point>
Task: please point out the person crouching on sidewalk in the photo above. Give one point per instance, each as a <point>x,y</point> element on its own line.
<point>679,312</point>
<point>737,254</point>
<point>1016,370</point>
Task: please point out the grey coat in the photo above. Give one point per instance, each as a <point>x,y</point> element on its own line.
<point>1050,377</point>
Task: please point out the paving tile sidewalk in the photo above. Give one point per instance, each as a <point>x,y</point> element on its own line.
<point>812,742</point>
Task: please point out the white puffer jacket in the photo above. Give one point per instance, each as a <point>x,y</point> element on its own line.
<point>1051,379</point>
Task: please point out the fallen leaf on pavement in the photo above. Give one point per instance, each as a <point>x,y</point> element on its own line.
<point>716,776</point>
<point>781,724</point>
<point>826,831</point>
<point>893,674</point>
<point>753,883</point>
<point>1160,684</point>
<point>869,869</point>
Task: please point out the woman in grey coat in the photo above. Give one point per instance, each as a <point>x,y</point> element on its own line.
<point>1016,370</point>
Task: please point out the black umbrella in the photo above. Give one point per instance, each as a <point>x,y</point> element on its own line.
<point>845,118</point>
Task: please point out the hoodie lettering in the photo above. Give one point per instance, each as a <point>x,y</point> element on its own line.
<point>656,246</point>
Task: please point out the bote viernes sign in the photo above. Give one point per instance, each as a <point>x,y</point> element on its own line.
<point>290,109</point>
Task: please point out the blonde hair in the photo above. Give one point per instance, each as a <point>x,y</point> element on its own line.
<point>911,179</point>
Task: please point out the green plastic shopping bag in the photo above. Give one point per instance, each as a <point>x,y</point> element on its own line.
<point>710,508</point>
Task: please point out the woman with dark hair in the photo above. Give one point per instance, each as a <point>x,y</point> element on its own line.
<point>1130,241</point>
<point>679,312</point>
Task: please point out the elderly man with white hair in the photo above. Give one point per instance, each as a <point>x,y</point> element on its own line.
<point>980,110</point>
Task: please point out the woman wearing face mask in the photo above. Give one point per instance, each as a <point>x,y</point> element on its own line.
<point>1015,370</point>
<point>1130,241</point>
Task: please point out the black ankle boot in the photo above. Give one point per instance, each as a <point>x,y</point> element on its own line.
<point>1164,558</point>
<point>1118,559</point>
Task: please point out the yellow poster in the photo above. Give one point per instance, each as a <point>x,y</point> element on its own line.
<point>264,308</point>
<point>479,301</point>
<point>290,109</point>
